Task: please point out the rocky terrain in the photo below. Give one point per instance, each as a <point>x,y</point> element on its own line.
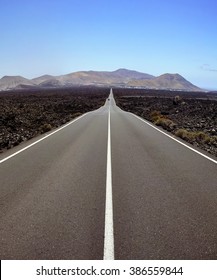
<point>25,114</point>
<point>191,116</point>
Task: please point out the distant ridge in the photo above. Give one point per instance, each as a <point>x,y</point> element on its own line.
<point>166,81</point>
<point>119,78</point>
<point>10,82</point>
<point>132,74</point>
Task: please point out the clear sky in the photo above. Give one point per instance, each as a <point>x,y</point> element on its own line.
<point>57,37</point>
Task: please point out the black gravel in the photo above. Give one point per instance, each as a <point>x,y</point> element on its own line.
<point>26,114</point>
<point>193,112</point>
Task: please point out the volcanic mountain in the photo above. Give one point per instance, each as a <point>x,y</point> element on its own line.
<point>120,77</point>
<point>10,82</point>
<point>165,81</point>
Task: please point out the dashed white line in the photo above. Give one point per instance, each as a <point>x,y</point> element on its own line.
<point>41,139</point>
<point>109,229</point>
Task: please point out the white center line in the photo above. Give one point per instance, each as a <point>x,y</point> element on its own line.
<point>109,231</point>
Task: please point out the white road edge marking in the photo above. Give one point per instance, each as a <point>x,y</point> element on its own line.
<point>41,139</point>
<point>190,148</point>
<point>109,231</point>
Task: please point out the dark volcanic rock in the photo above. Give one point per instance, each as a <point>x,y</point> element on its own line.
<point>191,116</point>
<point>26,114</point>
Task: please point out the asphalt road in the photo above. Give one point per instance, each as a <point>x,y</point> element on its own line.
<point>53,193</point>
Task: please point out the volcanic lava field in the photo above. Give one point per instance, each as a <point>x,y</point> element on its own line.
<point>26,114</point>
<point>191,116</point>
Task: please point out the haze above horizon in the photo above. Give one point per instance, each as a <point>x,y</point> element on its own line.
<point>154,37</point>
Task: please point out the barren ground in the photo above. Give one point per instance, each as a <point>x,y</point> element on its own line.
<point>26,114</point>
<point>189,115</point>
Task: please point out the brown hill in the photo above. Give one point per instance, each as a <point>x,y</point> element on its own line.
<point>42,79</point>
<point>166,81</point>
<point>120,77</point>
<point>10,82</point>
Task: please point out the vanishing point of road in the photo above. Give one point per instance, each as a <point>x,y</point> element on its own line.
<point>107,185</point>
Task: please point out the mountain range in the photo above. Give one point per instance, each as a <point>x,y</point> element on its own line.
<point>118,78</point>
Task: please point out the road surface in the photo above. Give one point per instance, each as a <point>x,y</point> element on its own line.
<point>107,186</point>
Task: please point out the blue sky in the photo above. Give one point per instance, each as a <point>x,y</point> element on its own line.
<point>62,36</point>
